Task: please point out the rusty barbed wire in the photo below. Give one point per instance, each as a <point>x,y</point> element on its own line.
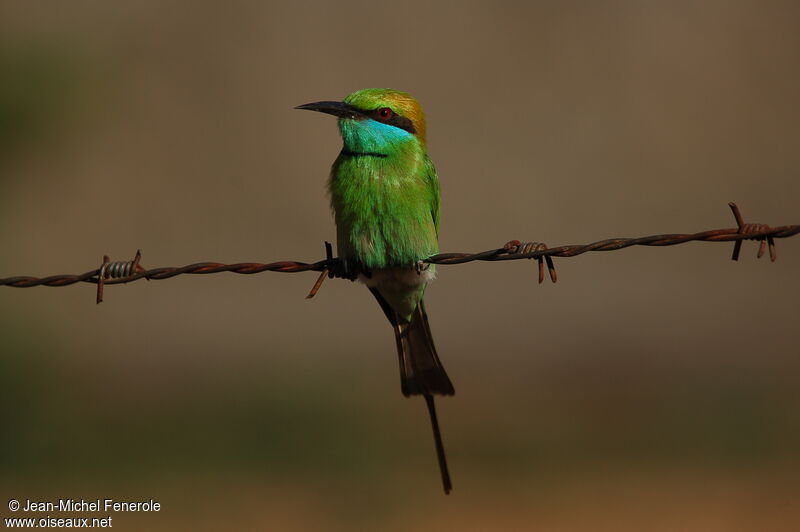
<point>116,270</point>
<point>126,272</point>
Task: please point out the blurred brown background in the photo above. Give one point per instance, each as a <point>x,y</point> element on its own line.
<point>650,389</point>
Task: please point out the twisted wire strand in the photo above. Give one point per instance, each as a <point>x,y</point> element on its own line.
<point>613,244</point>
<point>753,232</point>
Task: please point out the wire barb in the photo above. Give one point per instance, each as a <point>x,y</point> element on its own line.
<point>326,272</point>
<point>116,270</point>
<point>513,247</point>
<point>753,228</point>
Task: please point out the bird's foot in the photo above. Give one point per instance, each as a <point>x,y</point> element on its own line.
<point>345,269</point>
<point>336,267</point>
<point>515,247</point>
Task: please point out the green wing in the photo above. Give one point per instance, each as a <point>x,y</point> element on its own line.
<point>433,184</point>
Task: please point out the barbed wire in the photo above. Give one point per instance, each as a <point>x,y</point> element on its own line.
<point>126,272</point>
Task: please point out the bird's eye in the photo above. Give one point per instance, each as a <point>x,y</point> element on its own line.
<point>385,113</point>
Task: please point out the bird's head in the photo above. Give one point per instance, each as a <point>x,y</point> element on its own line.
<point>376,120</point>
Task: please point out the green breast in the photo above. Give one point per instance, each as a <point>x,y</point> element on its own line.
<point>386,208</point>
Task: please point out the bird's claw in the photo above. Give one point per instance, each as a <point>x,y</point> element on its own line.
<point>336,267</point>
<point>344,269</point>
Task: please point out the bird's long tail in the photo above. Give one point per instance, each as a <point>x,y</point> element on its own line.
<point>437,439</point>
<point>421,372</point>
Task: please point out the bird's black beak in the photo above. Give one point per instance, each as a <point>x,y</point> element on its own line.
<point>340,109</point>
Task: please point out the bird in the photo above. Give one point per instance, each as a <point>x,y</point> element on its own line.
<point>384,193</point>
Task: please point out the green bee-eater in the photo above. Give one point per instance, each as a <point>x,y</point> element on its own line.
<point>385,197</point>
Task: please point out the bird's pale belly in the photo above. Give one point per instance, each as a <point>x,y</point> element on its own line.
<point>398,278</point>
